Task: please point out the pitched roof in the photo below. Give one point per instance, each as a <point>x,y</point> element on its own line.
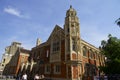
<point>24,50</point>
<point>56,29</point>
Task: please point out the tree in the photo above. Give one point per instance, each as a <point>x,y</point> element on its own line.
<point>111,49</point>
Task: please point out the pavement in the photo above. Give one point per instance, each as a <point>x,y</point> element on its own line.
<point>7,79</point>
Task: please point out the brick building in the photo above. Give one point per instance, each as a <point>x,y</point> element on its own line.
<point>13,57</point>
<point>64,56</point>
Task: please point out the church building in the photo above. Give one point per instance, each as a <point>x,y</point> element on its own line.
<point>65,56</point>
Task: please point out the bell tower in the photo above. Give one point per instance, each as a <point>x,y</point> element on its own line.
<point>72,44</point>
<point>72,32</point>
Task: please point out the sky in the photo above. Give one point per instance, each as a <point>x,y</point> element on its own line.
<point>26,20</point>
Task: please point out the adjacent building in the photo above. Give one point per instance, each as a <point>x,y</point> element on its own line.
<point>12,59</point>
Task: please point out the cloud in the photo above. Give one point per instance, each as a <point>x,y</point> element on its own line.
<point>15,12</point>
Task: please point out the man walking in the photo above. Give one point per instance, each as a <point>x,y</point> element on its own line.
<point>24,77</point>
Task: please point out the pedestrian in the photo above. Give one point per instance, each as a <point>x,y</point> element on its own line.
<point>36,77</point>
<point>19,77</point>
<point>24,77</point>
<point>43,77</point>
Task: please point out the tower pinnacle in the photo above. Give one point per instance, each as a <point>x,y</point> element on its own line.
<point>38,42</point>
<point>70,6</point>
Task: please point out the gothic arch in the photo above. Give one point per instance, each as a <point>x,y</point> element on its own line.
<point>84,50</point>
<point>91,53</point>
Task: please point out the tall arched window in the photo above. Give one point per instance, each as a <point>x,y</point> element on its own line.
<point>73,44</point>
<point>84,51</point>
<point>68,45</point>
<point>97,56</point>
<point>55,44</point>
<point>90,53</point>
<point>93,55</point>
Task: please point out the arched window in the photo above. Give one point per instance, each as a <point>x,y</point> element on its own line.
<point>84,51</point>
<point>3,60</point>
<point>73,45</point>
<point>93,55</point>
<point>96,56</point>
<point>68,45</point>
<point>90,53</point>
<point>68,30</point>
<point>55,44</point>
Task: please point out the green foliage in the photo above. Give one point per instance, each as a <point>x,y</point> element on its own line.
<point>111,49</point>
<point>112,67</point>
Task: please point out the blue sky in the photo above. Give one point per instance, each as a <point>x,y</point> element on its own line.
<point>26,20</point>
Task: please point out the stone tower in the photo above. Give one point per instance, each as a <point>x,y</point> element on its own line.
<point>72,44</point>
<point>72,32</point>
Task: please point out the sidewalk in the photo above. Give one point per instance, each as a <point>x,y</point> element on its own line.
<point>7,79</point>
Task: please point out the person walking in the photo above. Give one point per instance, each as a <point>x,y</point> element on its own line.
<point>24,77</point>
<point>43,77</point>
<point>36,77</point>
